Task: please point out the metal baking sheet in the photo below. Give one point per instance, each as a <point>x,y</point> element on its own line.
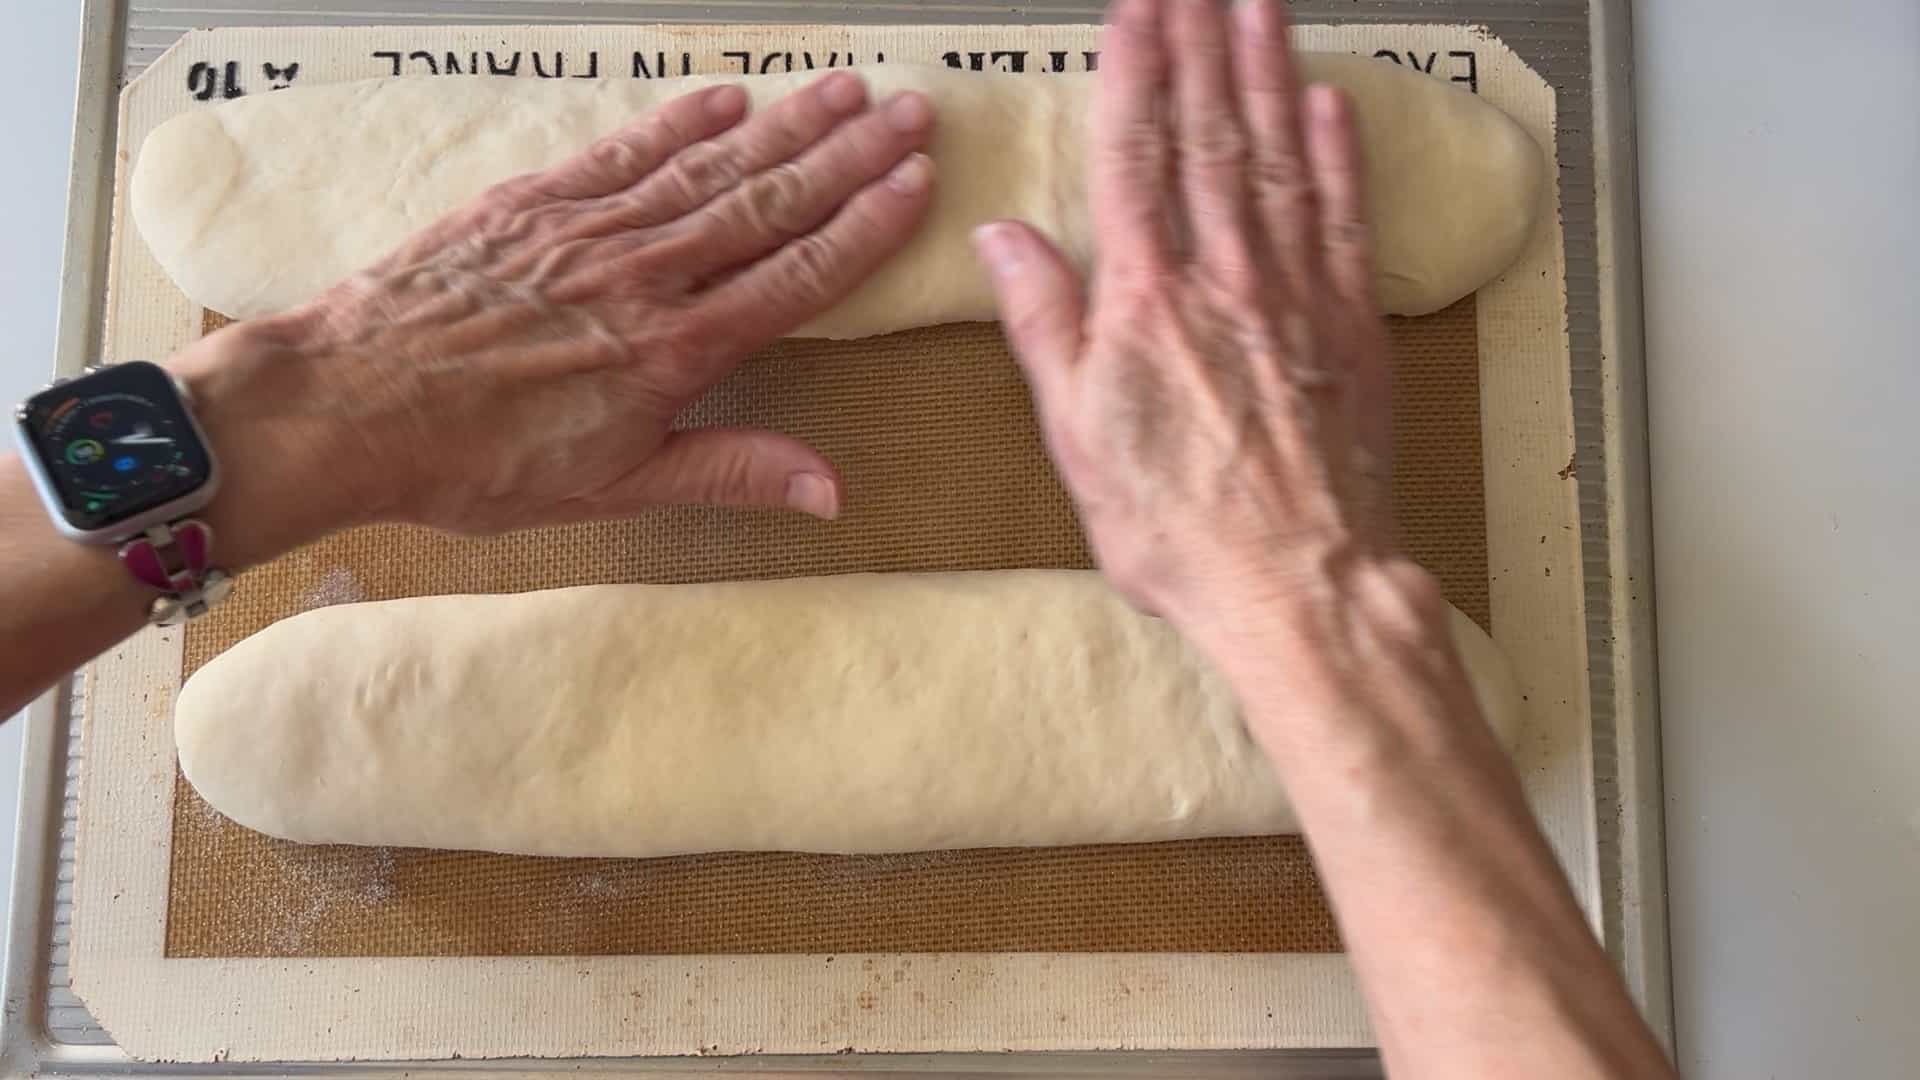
<point>1582,48</point>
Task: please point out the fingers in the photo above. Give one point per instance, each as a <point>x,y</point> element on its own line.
<point>627,156</point>
<point>809,274</point>
<point>1210,139</point>
<point>1040,298</point>
<point>1282,191</point>
<point>770,208</point>
<point>734,467</point>
<point>1333,160</point>
<point>704,170</point>
<point>1127,188</point>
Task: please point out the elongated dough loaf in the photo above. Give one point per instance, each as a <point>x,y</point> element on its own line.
<point>864,713</point>
<point>258,204</point>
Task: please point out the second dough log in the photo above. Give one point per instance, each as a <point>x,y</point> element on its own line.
<point>865,713</point>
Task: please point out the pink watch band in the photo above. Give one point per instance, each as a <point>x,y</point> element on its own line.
<point>176,559</point>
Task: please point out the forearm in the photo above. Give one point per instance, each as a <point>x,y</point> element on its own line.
<point>1473,954</point>
<point>67,602</point>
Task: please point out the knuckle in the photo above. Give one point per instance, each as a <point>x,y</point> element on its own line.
<point>1146,141</point>
<point>1292,204</point>
<point>666,128</point>
<point>562,259</point>
<point>776,201</point>
<point>1216,142</point>
<point>507,198</point>
<point>730,477</point>
<point>541,223</point>
<point>1349,235</point>
<point>1142,166</point>
<point>1238,281</point>
<point>618,158</point>
<point>701,170</point>
<point>868,218</point>
<point>1280,173</point>
<point>502,213</point>
<point>1349,247</point>
<point>799,124</point>
<point>810,268</point>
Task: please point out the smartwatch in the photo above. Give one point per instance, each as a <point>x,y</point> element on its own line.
<point>118,458</point>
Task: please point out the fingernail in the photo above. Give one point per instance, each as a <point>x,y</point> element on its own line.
<point>812,493</point>
<point>997,244</point>
<point>726,101</point>
<point>912,175</point>
<point>843,92</point>
<point>909,112</point>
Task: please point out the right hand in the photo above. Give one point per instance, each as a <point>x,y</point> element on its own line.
<point>522,361</point>
<point>1216,401</point>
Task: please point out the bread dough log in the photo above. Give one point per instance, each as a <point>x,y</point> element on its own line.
<point>865,713</point>
<point>258,204</point>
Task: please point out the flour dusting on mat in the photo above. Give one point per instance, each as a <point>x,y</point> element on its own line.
<point>336,586</point>
<point>595,884</point>
<point>331,882</point>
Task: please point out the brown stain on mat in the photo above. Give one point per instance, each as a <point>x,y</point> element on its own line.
<point>933,432</point>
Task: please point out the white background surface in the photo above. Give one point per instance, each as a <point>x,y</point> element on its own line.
<point>1780,172</point>
<point>36,89</point>
<point>1780,216</point>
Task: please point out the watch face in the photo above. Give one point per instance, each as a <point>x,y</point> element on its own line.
<point>116,443</point>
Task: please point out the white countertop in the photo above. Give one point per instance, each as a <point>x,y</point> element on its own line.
<point>1780,216</point>
<point>1780,168</point>
<point>37,85</point>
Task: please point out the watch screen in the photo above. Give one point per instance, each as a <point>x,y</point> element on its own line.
<point>116,443</point>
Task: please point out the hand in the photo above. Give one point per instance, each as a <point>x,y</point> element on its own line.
<point>1216,401</point>
<point>521,361</point>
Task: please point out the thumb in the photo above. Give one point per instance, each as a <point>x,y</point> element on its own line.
<point>1039,296</point>
<point>736,467</point>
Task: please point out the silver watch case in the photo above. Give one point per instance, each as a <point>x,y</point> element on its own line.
<point>165,513</point>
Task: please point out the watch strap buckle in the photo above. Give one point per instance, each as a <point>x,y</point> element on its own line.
<point>176,559</point>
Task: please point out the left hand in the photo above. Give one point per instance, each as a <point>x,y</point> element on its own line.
<point>521,362</point>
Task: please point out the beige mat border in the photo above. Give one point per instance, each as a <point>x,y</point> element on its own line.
<point>321,1009</point>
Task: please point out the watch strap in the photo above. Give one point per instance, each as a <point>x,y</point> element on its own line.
<point>177,560</point>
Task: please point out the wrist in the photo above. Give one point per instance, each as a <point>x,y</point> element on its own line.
<point>285,479</point>
<point>1361,656</point>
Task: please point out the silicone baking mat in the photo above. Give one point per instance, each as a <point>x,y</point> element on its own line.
<point>945,471</point>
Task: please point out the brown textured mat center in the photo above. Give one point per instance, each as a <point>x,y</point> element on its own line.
<point>934,435</point>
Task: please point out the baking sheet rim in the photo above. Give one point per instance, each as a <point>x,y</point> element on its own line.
<point>45,1029</point>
